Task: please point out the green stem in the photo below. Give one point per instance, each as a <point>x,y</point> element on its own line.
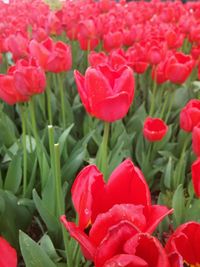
<point>33,121</point>
<point>164,106</point>
<point>62,98</point>
<point>179,176</point>
<point>23,119</point>
<point>104,150</point>
<point>153,96</point>
<point>48,93</point>
<point>60,202</point>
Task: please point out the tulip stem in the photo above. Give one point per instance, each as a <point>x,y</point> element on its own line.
<point>48,92</point>
<point>23,119</point>
<point>33,121</point>
<point>60,84</point>
<point>153,96</point>
<point>103,164</point>
<point>60,201</point>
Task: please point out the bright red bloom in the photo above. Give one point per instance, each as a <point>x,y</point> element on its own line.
<point>190,115</point>
<point>8,91</point>
<point>106,93</point>
<point>183,245</point>
<point>196,140</point>
<point>124,211</point>
<point>8,254</point>
<point>29,78</point>
<point>179,67</point>
<point>196,176</point>
<point>154,129</point>
<point>112,40</point>
<point>137,58</point>
<point>53,57</point>
<point>17,44</point>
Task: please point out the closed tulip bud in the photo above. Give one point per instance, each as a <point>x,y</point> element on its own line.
<point>106,93</point>
<point>190,115</point>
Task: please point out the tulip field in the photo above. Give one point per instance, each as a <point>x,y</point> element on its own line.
<point>99,133</point>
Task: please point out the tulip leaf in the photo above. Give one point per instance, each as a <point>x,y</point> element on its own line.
<point>63,137</point>
<point>47,245</point>
<point>32,253</point>
<point>178,203</point>
<point>14,174</point>
<point>49,219</point>
<point>168,173</point>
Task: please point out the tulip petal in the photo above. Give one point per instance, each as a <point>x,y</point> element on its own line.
<point>148,248</point>
<point>97,85</point>
<point>80,81</point>
<point>112,108</point>
<point>133,214</point>
<point>127,185</point>
<point>113,243</point>
<point>8,254</point>
<point>155,214</point>
<point>87,247</point>
<point>196,176</point>
<point>87,191</point>
<point>123,260</point>
<point>125,83</point>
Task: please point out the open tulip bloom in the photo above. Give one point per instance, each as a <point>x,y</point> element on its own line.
<point>113,213</point>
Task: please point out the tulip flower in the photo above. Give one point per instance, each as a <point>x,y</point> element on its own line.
<point>106,93</point>
<point>8,254</point>
<point>196,140</point>
<point>137,58</point>
<point>196,176</point>
<point>17,44</point>
<point>9,92</point>
<point>29,78</point>
<point>112,40</point>
<point>154,129</point>
<point>190,115</point>
<point>179,67</point>
<point>124,210</point>
<point>54,57</point>
<point>183,245</point>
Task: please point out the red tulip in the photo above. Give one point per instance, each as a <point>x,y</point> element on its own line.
<point>137,58</point>
<point>124,210</point>
<point>112,40</point>
<point>106,94</point>
<point>196,176</point>
<point>18,45</point>
<point>95,58</point>
<point>190,115</point>
<point>8,254</point>
<point>154,129</point>
<point>8,91</point>
<point>183,245</point>
<point>28,77</point>
<point>53,57</point>
<point>179,67</point>
<point>196,140</point>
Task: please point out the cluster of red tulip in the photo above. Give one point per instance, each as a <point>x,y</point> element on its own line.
<point>127,45</point>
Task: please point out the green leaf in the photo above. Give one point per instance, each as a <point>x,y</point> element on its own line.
<point>49,219</point>
<point>168,173</point>
<point>14,174</point>
<point>178,203</point>
<point>63,137</point>
<point>32,253</point>
<point>47,245</point>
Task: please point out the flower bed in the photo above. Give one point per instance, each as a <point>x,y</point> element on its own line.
<point>100,133</point>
